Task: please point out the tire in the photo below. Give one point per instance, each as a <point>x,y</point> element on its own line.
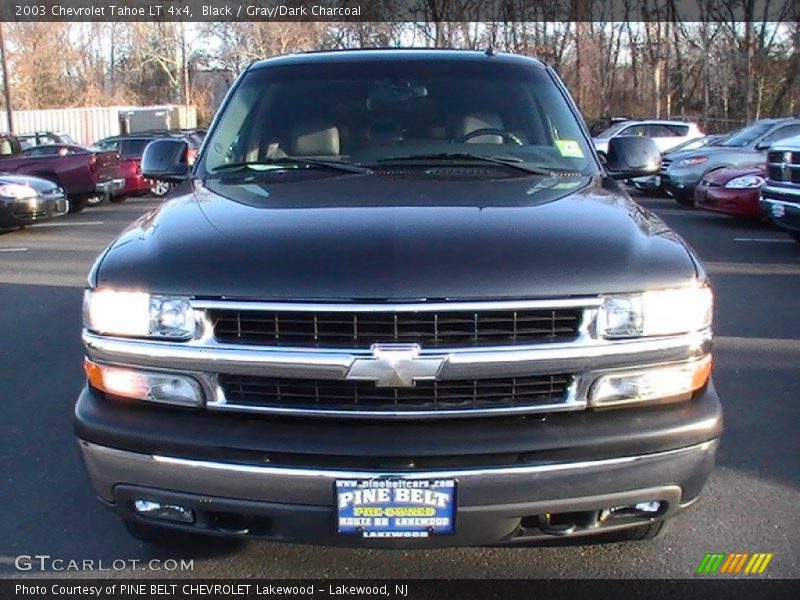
<point>117,199</point>
<point>158,536</point>
<point>685,199</point>
<point>160,188</point>
<point>98,199</point>
<point>795,236</point>
<point>76,205</point>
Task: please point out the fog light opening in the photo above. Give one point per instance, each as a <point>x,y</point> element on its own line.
<point>649,509</point>
<point>153,509</point>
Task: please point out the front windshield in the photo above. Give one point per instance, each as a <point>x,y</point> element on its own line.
<point>746,136</point>
<point>371,113</point>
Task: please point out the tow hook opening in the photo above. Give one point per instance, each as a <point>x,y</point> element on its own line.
<point>567,523</point>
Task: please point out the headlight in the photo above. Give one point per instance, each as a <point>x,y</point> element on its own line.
<point>690,162</point>
<point>138,314</point>
<point>657,312</point>
<point>15,190</point>
<point>745,182</point>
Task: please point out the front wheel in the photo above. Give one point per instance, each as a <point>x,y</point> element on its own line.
<point>117,199</point>
<point>99,199</point>
<point>76,205</point>
<point>795,236</point>
<point>684,198</point>
<point>160,188</point>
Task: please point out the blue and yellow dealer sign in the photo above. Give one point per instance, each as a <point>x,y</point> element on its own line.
<point>396,508</point>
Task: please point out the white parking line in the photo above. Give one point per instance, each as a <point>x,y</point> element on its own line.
<point>70,223</point>
<point>13,249</point>
<point>765,240</point>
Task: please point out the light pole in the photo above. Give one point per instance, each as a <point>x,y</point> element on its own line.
<point>6,91</point>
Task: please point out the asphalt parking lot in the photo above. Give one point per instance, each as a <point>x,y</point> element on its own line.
<point>750,504</point>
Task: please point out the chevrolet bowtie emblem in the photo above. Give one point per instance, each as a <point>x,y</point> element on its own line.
<point>395,365</point>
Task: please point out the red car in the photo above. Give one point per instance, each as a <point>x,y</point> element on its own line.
<point>733,191</point>
<point>130,149</point>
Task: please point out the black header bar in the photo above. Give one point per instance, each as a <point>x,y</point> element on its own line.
<point>502,11</point>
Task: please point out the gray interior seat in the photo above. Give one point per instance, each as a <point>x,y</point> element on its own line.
<point>473,121</point>
<point>316,138</point>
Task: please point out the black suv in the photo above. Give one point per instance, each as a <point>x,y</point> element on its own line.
<point>398,302</point>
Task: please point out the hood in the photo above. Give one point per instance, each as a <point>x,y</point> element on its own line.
<point>43,186</point>
<point>376,237</point>
<point>714,151</point>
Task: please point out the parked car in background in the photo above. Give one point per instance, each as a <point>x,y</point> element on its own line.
<point>42,138</point>
<point>732,191</point>
<point>666,134</point>
<point>652,183</point>
<point>26,200</point>
<point>682,172</point>
<point>130,148</point>
<point>83,173</point>
<point>780,194</point>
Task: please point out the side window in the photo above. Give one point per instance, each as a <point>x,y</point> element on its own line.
<point>637,130</point>
<point>679,130</point>
<point>660,131</point>
<point>108,145</point>
<point>32,151</point>
<point>782,133</point>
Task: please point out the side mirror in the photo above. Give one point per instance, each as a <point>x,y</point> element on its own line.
<point>761,146</point>
<point>166,160</point>
<point>632,156</point>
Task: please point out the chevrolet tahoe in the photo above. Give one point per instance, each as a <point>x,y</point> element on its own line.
<point>396,302</point>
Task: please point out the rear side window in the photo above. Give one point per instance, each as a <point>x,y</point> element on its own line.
<point>133,148</point>
<point>783,133</point>
<point>660,130</point>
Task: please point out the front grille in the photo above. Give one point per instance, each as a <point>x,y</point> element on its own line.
<point>783,166</point>
<point>775,173</point>
<point>665,163</point>
<point>36,214</point>
<point>362,329</point>
<point>355,396</point>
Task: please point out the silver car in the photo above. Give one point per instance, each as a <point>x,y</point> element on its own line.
<point>681,172</point>
<point>26,200</point>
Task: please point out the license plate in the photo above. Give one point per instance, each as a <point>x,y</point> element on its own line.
<point>396,508</point>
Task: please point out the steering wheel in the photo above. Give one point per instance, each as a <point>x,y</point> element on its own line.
<point>506,135</point>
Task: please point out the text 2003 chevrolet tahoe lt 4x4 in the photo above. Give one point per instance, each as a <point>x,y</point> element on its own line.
<point>400,304</point>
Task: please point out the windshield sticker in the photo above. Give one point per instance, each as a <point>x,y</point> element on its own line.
<point>569,148</point>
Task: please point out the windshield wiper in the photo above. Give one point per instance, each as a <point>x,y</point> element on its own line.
<point>336,165</point>
<point>504,161</point>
